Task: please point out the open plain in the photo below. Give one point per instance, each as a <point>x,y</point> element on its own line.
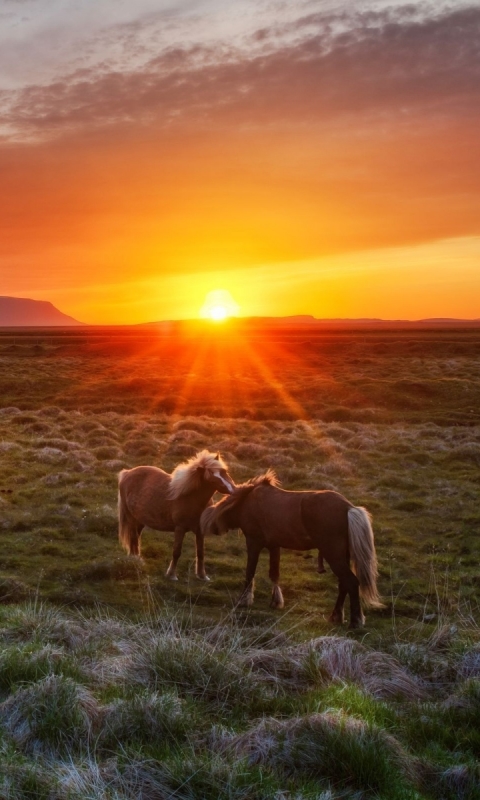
<point>167,690</point>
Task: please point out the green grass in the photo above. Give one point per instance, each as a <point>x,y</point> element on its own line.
<point>173,703</point>
<point>115,682</point>
<point>58,522</point>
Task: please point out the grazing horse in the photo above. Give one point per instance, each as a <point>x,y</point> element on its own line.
<point>273,518</point>
<point>150,496</point>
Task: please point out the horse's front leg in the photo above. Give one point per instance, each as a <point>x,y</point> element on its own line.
<point>254,549</point>
<point>274,574</point>
<point>177,552</point>
<point>200,560</point>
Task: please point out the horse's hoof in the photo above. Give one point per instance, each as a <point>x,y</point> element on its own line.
<point>202,577</point>
<point>356,624</point>
<point>245,602</point>
<point>171,577</point>
<point>277,600</point>
<point>335,618</point>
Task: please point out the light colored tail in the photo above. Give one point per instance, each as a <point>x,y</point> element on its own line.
<point>127,527</point>
<point>363,555</point>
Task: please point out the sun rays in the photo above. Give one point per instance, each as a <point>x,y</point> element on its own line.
<point>233,371</point>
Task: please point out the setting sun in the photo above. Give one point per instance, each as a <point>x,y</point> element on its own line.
<point>219,304</point>
<point>218,313</point>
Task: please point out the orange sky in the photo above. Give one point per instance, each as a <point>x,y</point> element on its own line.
<point>324,162</point>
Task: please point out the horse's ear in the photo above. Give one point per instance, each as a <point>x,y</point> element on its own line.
<point>218,456</point>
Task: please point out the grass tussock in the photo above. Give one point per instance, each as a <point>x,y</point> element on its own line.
<point>329,659</point>
<point>55,714</point>
<point>344,750</point>
<point>145,718</point>
<point>173,705</point>
<point>196,669</point>
<point>33,662</point>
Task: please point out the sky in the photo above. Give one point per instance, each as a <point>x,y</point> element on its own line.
<point>305,157</point>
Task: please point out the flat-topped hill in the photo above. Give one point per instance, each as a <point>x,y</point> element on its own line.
<point>23,312</point>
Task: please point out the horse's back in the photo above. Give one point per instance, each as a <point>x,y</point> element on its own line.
<point>144,478</point>
<point>325,517</point>
<point>326,503</point>
<point>145,490</point>
<point>277,514</point>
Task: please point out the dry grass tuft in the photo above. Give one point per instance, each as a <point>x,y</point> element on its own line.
<point>461,782</point>
<point>469,666</point>
<point>88,779</point>
<point>147,717</point>
<point>346,750</point>
<point>41,622</point>
<point>195,669</point>
<point>333,658</point>
<point>54,715</point>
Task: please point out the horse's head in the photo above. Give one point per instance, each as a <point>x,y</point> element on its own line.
<point>204,468</point>
<point>226,515</point>
<point>216,474</point>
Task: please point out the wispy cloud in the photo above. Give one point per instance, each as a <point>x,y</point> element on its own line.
<point>315,68</point>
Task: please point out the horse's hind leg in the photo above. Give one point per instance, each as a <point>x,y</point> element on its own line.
<point>253,551</point>
<point>200,560</point>
<point>347,584</point>
<point>320,565</point>
<point>337,616</point>
<point>277,596</point>
<point>129,531</point>
<point>137,529</point>
<point>177,552</point>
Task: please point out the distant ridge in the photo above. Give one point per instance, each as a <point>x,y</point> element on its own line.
<point>23,312</point>
<point>371,322</point>
<point>304,321</point>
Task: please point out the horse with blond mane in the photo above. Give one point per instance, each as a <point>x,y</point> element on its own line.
<point>272,518</point>
<point>148,496</point>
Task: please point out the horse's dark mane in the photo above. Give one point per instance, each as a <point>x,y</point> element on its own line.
<point>268,478</point>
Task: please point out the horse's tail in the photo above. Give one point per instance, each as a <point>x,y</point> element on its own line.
<point>127,528</point>
<point>363,555</point>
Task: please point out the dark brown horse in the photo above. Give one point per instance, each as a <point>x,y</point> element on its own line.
<point>150,496</point>
<point>273,518</point>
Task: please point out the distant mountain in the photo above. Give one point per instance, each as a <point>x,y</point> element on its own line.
<point>23,312</point>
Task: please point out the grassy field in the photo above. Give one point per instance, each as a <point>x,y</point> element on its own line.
<point>132,686</point>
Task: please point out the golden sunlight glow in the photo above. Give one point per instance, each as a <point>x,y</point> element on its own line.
<point>219,304</point>
<point>218,313</point>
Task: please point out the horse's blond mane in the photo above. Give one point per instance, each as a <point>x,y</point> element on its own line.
<point>186,477</point>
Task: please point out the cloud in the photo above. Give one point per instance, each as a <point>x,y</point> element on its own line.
<point>324,133</point>
<point>390,62</point>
